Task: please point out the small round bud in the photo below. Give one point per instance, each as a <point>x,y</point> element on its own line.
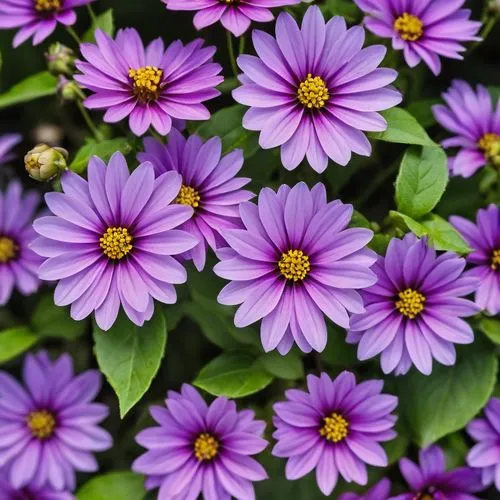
<point>70,90</point>
<point>60,59</point>
<point>494,7</point>
<point>43,162</point>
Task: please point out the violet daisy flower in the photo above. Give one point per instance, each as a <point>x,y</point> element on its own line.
<point>334,428</point>
<point>49,427</point>
<point>313,90</point>
<point>424,29</point>
<point>380,491</point>
<point>295,261</point>
<point>7,142</point>
<point>111,239</point>
<point>485,455</point>
<point>234,15</point>
<point>209,186</point>
<point>201,449</point>
<point>149,85</point>
<point>429,480</point>
<point>475,121</point>
<point>37,18</point>
<point>413,313</point>
<point>18,263</point>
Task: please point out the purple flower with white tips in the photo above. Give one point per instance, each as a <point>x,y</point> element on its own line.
<point>380,491</point>
<point>7,142</point>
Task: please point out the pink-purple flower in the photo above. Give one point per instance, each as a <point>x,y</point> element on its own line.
<point>50,425</point>
<point>425,30</point>
<point>414,312</point>
<point>201,449</point>
<point>149,85</point>
<point>209,186</point>
<point>7,142</point>
<point>335,428</point>
<point>313,90</point>
<point>475,122</point>
<point>111,239</point>
<point>379,491</point>
<point>295,262</point>
<point>9,492</point>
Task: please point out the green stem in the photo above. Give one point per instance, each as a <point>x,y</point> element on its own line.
<point>93,17</point>
<point>378,181</point>
<point>89,122</point>
<point>488,26</point>
<point>231,53</point>
<point>73,34</point>
<point>241,46</point>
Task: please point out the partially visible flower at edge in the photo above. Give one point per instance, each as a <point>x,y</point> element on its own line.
<point>379,491</point>
<point>7,142</point>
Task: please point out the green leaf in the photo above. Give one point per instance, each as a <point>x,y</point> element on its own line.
<point>130,356</point>
<point>338,352</point>
<point>402,128</point>
<point>15,341</point>
<point>444,402</point>
<point>228,85</point>
<point>35,86</point>
<point>113,486</point>
<point>422,180</point>
<point>289,367</point>
<point>491,328</point>
<point>104,22</point>
<point>102,149</point>
<point>422,111</point>
<point>379,243</point>
<point>234,375</point>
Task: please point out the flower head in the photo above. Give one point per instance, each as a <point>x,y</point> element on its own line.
<point>294,262</point>
<point>111,239</point>
<point>201,449</point>
<point>43,162</point>
<point>335,427</point>
<point>209,186</point>
<point>475,122</point>
<point>314,89</point>
<point>50,425</point>
<point>380,491</point>
<point>424,30</point>
<point>413,313</point>
<point>7,142</point>
<point>150,85</point>
<point>60,60</point>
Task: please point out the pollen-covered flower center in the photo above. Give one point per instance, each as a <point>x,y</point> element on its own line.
<point>41,423</point>
<point>8,249</point>
<point>206,447</point>
<point>409,27</point>
<point>410,303</point>
<point>146,82</point>
<point>313,92</point>
<point>188,196</point>
<point>47,5</point>
<point>335,428</point>
<point>116,242</point>
<point>294,265</point>
<point>495,259</point>
<point>424,496</point>
<point>229,1</point>
<point>490,145</point>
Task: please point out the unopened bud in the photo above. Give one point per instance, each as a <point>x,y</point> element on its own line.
<point>60,59</point>
<point>70,90</point>
<point>43,162</point>
<point>494,7</point>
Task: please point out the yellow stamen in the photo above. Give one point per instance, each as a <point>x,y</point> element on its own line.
<point>146,82</point>
<point>490,145</point>
<point>116,242</point>
<point>294,265</point>
<point>205,447</point>
<point>335,428</point>
<point>495,259</point>
<point>188,196</point>
<point>411,303</point>
<point>8,249</point>
<point>41,424</point>
<point>47,5</point>
<point>410,27</point>
<point>313,92</point>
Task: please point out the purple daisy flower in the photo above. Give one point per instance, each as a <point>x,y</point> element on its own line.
<point>424,29</point>
<point>295,261</point>
<point>475,121</point>
<point>7,142</point>
<point>111,241</point>
<point>334,428</point>
<point>18,263</point>
<point>201,449</point>
<point>413,313</point>
<point>37,18</point>
<point>209,186</point>
<point>149,85</point>
<point>429,480</point>
<point>380,491</point>
<point>314,89</point>
<point>234,15</point>
<point>49,427</point>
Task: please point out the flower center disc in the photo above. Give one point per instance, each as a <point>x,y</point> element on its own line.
<point>335,428</point>
<point>8,249</point>
<point>410,303</point>
<point>294,265</point>
<point>146,82</point>
<point>495,259</point>
<point>410,27</point>
<point>313,92</point>
<point>205,447</point>
<point>47,5</point>
<point>490,144</point>
<point>41,424</point>
<point>188,196</point>
<point>116,243</point>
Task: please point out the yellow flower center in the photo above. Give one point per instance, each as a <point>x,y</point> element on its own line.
<point>424,496</point>
<point>205,447</point>
<point>495,259</point>
<point>313,92</point>
<point>47,5</point>
<point>146,82</point>
<point>41,424</point>
<point>490,145</point>
<point>410,303</point>
<point>294,265</point>
<point>228,1</point>
<point>188,196</point>
<point>8,249</point>
<point>410,27</point>
<point>116,242</point>
<point>335,428</point>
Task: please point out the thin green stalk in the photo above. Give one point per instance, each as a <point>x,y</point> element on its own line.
<point>89,122</point>
<point>73,34</point>
<point>488,26</point>
<point>230,49</point>
<point>241,47</point>
<point>93,17</point>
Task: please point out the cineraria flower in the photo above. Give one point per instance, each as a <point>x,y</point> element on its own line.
<point>313,90</point>
<point>424,30</point>
<point>475,121</point>
<point>8,492</point>
<point>49,427</point>
<point>234,15</point>
<point>429,480</point>
<point>209,186</point>
<point>295,261</point>
<point>18,263</point>
<point>37,18</point>
<point>201,449</point>
<point>380,491</point>
<point>7,142</point>
<point>111,241</point>
<point>334,428</point>
<point>149,85</point>
<point>413,313</point>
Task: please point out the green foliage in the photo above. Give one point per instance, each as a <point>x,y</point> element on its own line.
<point>289,367</point>
<point>104,22</point>
<point>338,352</point>
<point>102,149</point>
<point>35,86</point>
<point>15,341</point>
<point>491,328</point>
<point>422,111</point>
<point>113,486</point>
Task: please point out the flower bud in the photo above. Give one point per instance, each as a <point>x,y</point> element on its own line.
<point>494,7</point>
<point>70,90</point>
<point>60,59</point>
<point>43,162</point>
